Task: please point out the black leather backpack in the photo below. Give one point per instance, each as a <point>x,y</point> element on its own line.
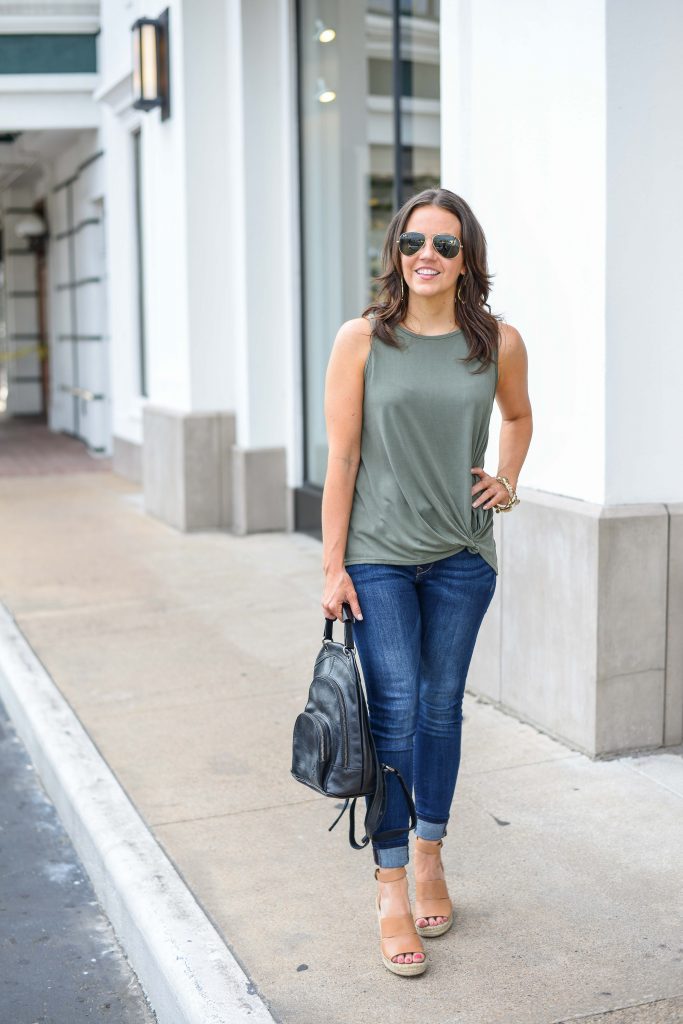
<point>333,751</point>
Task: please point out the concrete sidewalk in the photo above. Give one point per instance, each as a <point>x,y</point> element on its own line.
<point>187,658</point>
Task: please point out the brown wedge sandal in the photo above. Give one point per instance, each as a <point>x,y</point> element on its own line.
<point>398,933</point>
<point>431,898</point>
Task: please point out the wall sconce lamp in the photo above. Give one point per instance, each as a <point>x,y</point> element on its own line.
<point>151,78</point>
<point>323,33</point>
<point>30,226</point>
<point>34,231</point>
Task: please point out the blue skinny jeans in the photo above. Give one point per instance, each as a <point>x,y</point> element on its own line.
<point>415,643</point>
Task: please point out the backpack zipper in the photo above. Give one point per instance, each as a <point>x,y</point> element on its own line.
<point>342,707</point>
<point>322,727</point>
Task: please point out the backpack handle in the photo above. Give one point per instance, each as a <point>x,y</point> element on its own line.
<point>348,620</point>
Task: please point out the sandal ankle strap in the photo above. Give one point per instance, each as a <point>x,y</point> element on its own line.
<point>429,845</point>
<point>390,874</point>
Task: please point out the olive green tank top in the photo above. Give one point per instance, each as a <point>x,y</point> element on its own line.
<point>425,424</point>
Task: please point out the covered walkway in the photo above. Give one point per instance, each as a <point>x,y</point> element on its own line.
<point>29,448</point>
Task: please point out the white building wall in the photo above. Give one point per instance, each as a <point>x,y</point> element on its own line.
<point>122,272</point>
<point>290,299</point>
<point>561,127</point>
<point>165,239</point>
<point>115,41</point>
<point>523,141</point>
<point>267,399</point>
<point>644,339</point>
<point>164,229</point>
<point>215,246</point>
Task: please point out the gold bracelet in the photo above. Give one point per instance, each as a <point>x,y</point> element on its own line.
<point>514,500</point>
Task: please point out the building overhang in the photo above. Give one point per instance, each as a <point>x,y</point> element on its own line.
<point>49,101</point>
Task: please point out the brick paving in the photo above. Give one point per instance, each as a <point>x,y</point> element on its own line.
<point>29,448</point>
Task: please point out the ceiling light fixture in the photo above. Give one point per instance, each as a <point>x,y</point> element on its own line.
<point>323,33</point>
<point>323,94</point>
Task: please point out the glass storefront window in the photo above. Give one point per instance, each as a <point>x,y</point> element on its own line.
<point>352,163</point>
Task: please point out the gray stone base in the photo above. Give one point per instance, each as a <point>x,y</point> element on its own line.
<point>260,497</point>
<point>673,688</point>
<point>187,473</point>
<point>127,459</point>
<point>584,635</point>
<point>195,477</point>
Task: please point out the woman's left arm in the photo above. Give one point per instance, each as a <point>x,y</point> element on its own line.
<point>512,396</point>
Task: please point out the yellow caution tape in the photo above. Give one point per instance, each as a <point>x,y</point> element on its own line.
<point>27,350</point>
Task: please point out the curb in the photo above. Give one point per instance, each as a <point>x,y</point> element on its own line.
<point>184,966</point>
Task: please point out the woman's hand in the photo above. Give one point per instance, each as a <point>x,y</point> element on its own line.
<point>493,492</point>
<point>339,588</point>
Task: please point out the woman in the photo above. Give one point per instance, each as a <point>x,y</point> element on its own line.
<point>407,517</point>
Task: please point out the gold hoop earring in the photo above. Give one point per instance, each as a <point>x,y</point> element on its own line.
<point>403,294</point>
<point>459,290</point>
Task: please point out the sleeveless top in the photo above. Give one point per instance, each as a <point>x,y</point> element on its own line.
<point>425,424</point>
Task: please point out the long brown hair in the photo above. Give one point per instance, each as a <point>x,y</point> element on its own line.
<point>479,327</point>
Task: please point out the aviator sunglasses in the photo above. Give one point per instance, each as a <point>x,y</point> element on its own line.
<point>411,242</point>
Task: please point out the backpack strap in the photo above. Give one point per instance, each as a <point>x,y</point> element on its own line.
<point>393,833</point>
<point>375,812</point>
<point>352,824</point>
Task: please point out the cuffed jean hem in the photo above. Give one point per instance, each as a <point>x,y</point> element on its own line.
<point>391,857</point>
<point>430,829</point>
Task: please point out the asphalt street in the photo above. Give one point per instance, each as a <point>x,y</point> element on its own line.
<point>60,962</point>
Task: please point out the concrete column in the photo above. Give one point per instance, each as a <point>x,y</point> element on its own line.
<point>583,225</point>
<point>149,291</point>
<point>221,287</point>
<point>219,237</point>
<point>261,245</point>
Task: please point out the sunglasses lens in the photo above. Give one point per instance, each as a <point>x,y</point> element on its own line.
<point>447,246</point>
<point>411,242</point>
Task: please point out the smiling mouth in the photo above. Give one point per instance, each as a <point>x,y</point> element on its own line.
<point>427,273</point>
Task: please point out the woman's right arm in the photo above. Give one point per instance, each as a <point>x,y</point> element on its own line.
<point>344,387</point>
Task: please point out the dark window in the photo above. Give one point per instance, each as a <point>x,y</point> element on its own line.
<point>369,138</point>
<point>47,54</point>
